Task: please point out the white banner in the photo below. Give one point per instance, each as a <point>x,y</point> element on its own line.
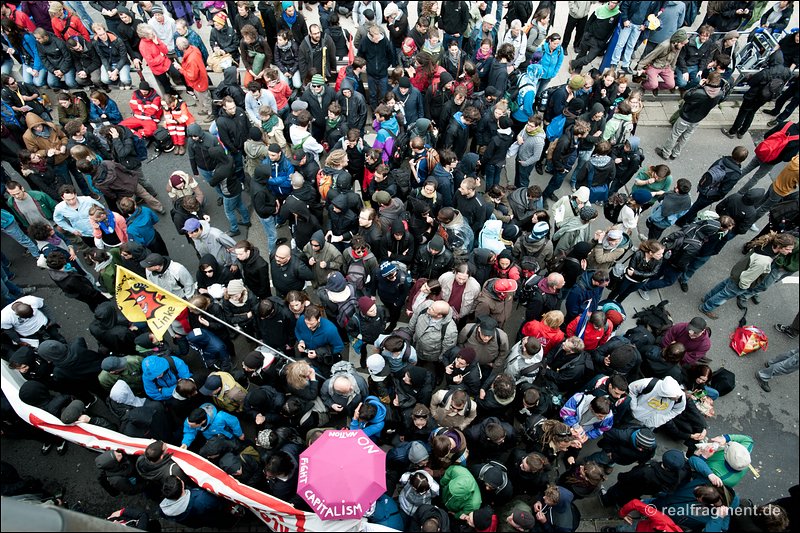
<point>278,515</point>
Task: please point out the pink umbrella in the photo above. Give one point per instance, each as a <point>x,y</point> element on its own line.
<point>342,474</point>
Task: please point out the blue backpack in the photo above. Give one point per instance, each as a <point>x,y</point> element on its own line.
<point>556,127</point>
<point>141,148</point>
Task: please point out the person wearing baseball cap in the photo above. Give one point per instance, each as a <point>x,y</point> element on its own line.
<point>695,337</point>
<point>125,368</point>
<point>496,299</point>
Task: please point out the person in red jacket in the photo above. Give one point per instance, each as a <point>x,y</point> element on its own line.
<point>66,24</point>
<point>547,330</point>
<point>155,54</point>
<point>652,519</point>
<point>177,118</point>
<point>145,103</point>
<point>194,72</point>
<point>10,11</point>
<point>598,330</point>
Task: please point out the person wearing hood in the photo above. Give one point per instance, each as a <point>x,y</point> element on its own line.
<point>429,514</point>
<point>589,287</point>
<point>112,330</point>
<point>443,175</point>
<point>230,186</point>
<point>169,275</point>
<point>411,99</point>
<point>765,86</point>
<point>608,248</point>
<point>342,222</point>
<point>118,470</point>
<point>256,149</point>
<point>597,32</point>
<point>565,152</point>
<point>546,330</point>
<point>74,284</point>
<point>210,240</point>
<point>198,144</point>
<point>436,96</point>
<point>654,402</point>
<point>460,492</point>
<point>75,367</point>
<point>650,478</point>
<point>47,140</point>
<point>432,259</point>
<point>191,508</point>
<point>628,158</point>
<point>344,392</point>
<point>398,244</point>
<point>494,158</point>
<point>369,417</point>
<point>323,258</point>
<point>354,106</point>
<point>661,63</point>
<point>32,366</point>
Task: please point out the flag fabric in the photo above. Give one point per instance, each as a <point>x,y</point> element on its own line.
<point>582,322</point>
<point>142,301</point>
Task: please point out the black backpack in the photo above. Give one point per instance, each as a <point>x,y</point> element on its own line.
<point>614,206</point>
<point>543,98</point>
<point>83,97</point>
<point>401,149</point>
<point>723,380</point>
<point>711,181</point>
<point>402,178</point>
<point>655,317</point>
<point>163,140</point>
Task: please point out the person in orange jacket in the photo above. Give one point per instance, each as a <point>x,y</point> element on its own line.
<point>652,519</point>
<point>176,118</point>
<point>194,72</point>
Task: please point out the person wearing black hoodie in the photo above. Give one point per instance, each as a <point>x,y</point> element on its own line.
<point>716,182</point>
<point>303,222</point>
<point>264,203</point>
<point>342,222</point>
<point>354,106</point>
<point>112,330</point>
<point>399,244</point>
<point>436,96</point>
<point>132,253</point>
<point>415,386</point>
<point>255,270</point>
<point>38,395</point>
<point>230,186</point>
<point>470,204</point>
<point>75,367</point>
<point>426,515</point>
<point>494,158</point>
<point>73,284</point>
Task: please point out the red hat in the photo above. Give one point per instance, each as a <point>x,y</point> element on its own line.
<point>365,303</point>
<point>505,285</point>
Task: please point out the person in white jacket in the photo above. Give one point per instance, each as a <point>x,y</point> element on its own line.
<point>525,360</point>
<point>654,402</point>
<point>516,38</point>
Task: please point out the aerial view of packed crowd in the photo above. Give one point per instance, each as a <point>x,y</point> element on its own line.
<point>426,274</point>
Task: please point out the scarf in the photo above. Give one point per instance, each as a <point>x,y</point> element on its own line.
<point>480,56</point>
<point>44,133</point>
<point>286,46</point>
<point>535,132</point>
<point>108,225</point>
<point>289,20</point>
<point>269,124</point>
<point>434,51</point>
<point>332,123</point>
<point>455,61</point>
<point>99,267</point>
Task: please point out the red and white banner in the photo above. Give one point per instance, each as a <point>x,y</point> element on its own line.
<point>278,515</point>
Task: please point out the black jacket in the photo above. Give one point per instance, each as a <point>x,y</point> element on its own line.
<point>619,443</point>
<point>54,54</point>
<point>233,130</point>
<point>255,272</point>
<point>123,149</point>
<point>566,371</point>
<point>741,208</point>
<point>88,59</point>
<point>379,56</point>
<point>431,266</point>
<point>224,174</point>
<point>310,56</point>
<point>697,104</point>
<point>198,150</point>
<point>454,18</point>
<point>264,202</point>
<point>290,277</point>
<point>277,330</point>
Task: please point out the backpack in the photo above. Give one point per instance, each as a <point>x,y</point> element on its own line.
<point>556,128</point>
<point>140,146</point>
<point>528,290</point>
<point>324,183</point>
<point>346,311</point>
<point>356,275</point>
<point>403,334</point>
<point>163,140</point>
<point>769,150</point>
<point>83,97</point>
<point>516,96</point>
<point>341,368</point>
<point>711,181</point>
<point>655,317</point>
<point>614,205</point>
<point>402,178</point>
<point>723,380</point>
<point>623,133</point>
<point>532,428</point>
<point>543,98</point>
<point>400,150</point>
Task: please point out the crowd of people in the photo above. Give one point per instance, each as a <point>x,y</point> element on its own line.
<point>480,301</point>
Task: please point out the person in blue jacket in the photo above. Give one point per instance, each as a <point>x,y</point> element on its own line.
<point>528,86</point>
<point>190,507</point>
<point>207,420</point>
<point>385,512</point>
<point>697,505</point>
<point>552,58</point>
<point>159,377</point>
<point>411,99</point>
<point>281,170</point>
<point>103,110</point>
<point>141,221</point>
<point>26,52</point>
<point>318,339</point>
<point>211,349</point>
<point>590,287</point>
<point>369,416</point>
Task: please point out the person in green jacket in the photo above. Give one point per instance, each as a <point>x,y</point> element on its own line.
<point>125,368</point>
<point>105,264</point>
<point>29,207</point>
<point>460,492</point>
<point>728,463</point>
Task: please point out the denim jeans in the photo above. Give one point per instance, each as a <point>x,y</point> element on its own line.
<point>377,88</point>
<point>780,365</point>
<point>583,158</point>
<point>15,232</point>
<point>207,175</point>
<point>721,293</point>
<point>10,291</point>
<point>124,75</point>
<point>626,44</point>
<point>68,79</point>
<point>294,82</point>
<point>38,80</point>
<point>7,67</point>
<point>492,176</point>
<point>233,204</point>
<point>691,82</point>
<point>271,230</point>
<point>554,184</point>
<point>666,277</point>
<point>523,175</point>
<point>693,267</point>
<point>79,9</point>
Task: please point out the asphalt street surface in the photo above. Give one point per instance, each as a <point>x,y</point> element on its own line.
<point>772,419</point>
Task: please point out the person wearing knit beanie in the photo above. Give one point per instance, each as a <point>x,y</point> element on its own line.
<point>365,303</point>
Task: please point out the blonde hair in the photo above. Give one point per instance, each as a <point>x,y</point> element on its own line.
<point>553,319</point>
<point>80,151</point>
<point>297,374</point>
<point>336,158</point>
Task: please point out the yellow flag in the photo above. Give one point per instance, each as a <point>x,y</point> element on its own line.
<point>142,301</point>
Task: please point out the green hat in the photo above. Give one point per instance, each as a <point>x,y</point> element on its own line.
<point>679,36</point>
<point>317,79</point>
<point>576,82</point>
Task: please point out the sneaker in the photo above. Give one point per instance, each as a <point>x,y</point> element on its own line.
<point>739,135</point>
<point>773,112</point>
<point>755,299</point>
<point>245,224</point>
<point>573,188</point>
<point>644,295</point>
<point>684,285</point>
<point>61,449</point>
<point>552,197</point>
<point>233,233</point>
<point>642,237</point>
<point>710,314</point>
<point>786,330</point>
<point>755,228</point>
<point>46,448</point>
<point>727,133</point>
<point>219,201</point>
<point>772,123</point>
<point>660,153</point>
<point>27,290</point>
<point>763,384</point>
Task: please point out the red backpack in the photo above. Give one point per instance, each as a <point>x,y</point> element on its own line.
<point>770,148</point>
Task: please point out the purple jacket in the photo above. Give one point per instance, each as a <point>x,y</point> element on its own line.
<point>38,10</point>
<point>696,349</point>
